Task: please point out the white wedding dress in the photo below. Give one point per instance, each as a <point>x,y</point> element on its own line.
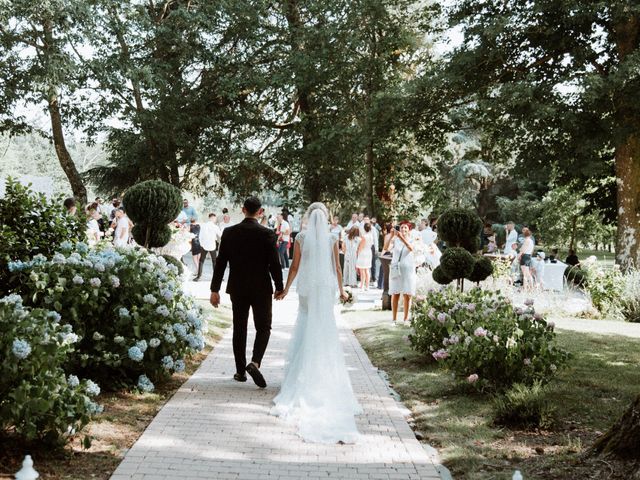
<point>316,394</point>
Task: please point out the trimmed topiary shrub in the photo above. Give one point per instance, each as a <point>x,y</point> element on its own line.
<point>151,206</point>
<point>135,323</point>
<point>575,276</point>
<point>460,228</point>
<point>456,263</point>
<point>30,225</point>
<point>439,276</point>
<point>175,262</point>
<point>482,269</point>
<point>37,400</point>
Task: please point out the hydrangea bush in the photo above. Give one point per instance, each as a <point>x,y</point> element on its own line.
<point>135,322</point>
<point>484,339</point>
<point>37,399</point>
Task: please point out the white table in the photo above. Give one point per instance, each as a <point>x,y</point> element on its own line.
<point>553,276</point>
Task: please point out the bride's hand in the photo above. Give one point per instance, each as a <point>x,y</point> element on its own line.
<point>343,296</point>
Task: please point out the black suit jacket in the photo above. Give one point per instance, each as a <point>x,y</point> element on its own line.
<point>251,253</point>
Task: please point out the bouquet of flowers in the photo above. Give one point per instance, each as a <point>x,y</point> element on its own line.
<point>348,301</point>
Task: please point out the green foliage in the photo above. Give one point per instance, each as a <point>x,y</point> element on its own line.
<point>456,263</point>
<point>630,297</point>
<point>440,277</point>
<point>482,269</point>
<point>151,205</point>
<point>484,340</point>
<point>37,400</point>
<point>524,406</point>
<point>135,322</point>
<point>575,276</point>
<point>459,228</point>
<point>31,225</point>
<point>175,262</point>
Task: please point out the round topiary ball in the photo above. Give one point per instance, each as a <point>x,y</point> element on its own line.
<point>159,236</point>
<point>439,276</point>
<point>457,263</point>
<point>457,227</point>
<point>152,202</point>
<point>482,269</point>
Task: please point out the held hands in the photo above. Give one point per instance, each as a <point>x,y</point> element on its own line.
<point>343,296</point>
<point>214,299</point>
<point>281,294</point>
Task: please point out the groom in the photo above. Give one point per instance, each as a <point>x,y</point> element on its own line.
<point>250,250</point>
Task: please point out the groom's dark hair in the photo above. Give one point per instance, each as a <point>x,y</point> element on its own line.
<point>252,205</point>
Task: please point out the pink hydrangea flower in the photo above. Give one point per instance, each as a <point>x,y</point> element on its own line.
<point>528,302</point>
<point>473,378</point>
<point>551,325</point>
<point>480,332</point>
<point>442,317</point>
<point>440,354</point>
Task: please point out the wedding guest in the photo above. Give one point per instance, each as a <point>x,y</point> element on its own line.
<point>122,232</point>
<point>537,269</point>
<point>353,222</point>
<point>374,247</point>
<point>70,205</point>
<point>572,259</point>
<point>492,246</point>
<point>553,258</point>
<point>376,225</point>
<point>363,262</point>
<point>194,228</point>
<point>337,232</point>
<point>226,219</point>
<point>210,235</point>
<point>386,245</point>
<point>189,212</point>
<point>487,231</point>
<point>283,231</point>
<point>512,237</point>
<point>515,273</point>
<point>350,248</point>
<point>426,232</point>
<point>525,259</point>
<point>402,272</point>
<point>115,204</point>
<point>94,232</point>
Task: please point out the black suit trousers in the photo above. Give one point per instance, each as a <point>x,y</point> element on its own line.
<point>260,304</point>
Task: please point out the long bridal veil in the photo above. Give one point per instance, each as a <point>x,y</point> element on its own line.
<point>316,393</point>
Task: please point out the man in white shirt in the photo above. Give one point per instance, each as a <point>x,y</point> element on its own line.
<point>512,237</point>
<point>353,222</point>
<point>284,236</point>
<point>374,248</point>
<point>210,234</point>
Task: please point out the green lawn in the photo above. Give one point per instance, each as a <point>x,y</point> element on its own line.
<point>599,383</point>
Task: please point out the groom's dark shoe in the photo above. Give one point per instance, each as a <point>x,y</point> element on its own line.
<point>239,377</point>
<point>256,375</point>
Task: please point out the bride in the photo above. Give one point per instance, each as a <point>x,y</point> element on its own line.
<point>316,393</point>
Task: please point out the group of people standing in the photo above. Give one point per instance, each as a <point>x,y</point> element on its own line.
<point>106,221</point>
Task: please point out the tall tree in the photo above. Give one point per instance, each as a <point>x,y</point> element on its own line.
<point>559,83</point>
<point>36,69</point>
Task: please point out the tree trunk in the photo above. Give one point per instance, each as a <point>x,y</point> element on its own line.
<point>623,438</point>
<point>627,155</point>
<point>370,161</point>
<point>64,157</point>
<point>572,239</point>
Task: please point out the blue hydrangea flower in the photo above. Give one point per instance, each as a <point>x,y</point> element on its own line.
<point>135,354</point>
<point>123,312</point>
<point>163,310</point>
<point>54,316</point>
<point>78,280</point>
<point>16,266</point>
<point>144,384</point>
<point>115,281</point>
<point>92,388</point>
<point>59,258</point>
<point>93,408</point>
<point>66,246</point>
<point>148,298</point>
<point>73,381</point>
<point>180,329</point>
<point>99,267</point>
<point>154,342</point>
<point>21,348</point>
<point>169,338</point>
<point>67,338</point>
<point>82,247</point>
<point>166,294</point>
<point>178,366</point>
<point>142,345</point>
<point>167,362</point>
<point>95,282</point>
<point>13,299</point>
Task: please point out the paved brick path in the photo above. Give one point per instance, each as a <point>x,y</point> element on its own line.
<point>216,428</point>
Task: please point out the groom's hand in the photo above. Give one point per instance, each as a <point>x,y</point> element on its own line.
<point>214,299</point>
<point>279,295</point>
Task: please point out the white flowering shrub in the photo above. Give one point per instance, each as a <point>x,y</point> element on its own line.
<point>484,339</point>
<point>135,322</point>
<point>37,399</point>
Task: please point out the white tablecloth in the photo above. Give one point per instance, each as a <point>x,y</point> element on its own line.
<point>553,276</point>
